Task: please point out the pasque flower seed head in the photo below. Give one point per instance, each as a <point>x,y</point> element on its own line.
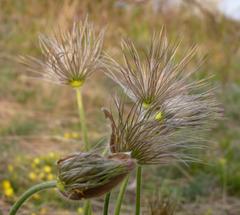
<point>68,58</point>
<point>169,111</point>
<point>88,175</point>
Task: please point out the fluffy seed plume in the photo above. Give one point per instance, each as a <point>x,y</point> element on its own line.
<point>68,58</point>
<point>148,140</point>
<point>170,110</point>
<point>88,175</point>
<point>153,78</point>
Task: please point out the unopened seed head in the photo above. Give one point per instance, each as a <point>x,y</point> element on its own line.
<point>88,175</point>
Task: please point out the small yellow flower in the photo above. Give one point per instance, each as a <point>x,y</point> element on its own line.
<point>9,192</point>
<point>75,135</point>
<point>50,177</point>
<point>47,169</point>
<point>7,187</point>
<point>33,214</point>
<point>36,196</point>
<point>80,211</point>
<point>67,135</point>
<point>36,161</point>
<point>32,176</point>
<point>10,168</point>
<point>6,184</point>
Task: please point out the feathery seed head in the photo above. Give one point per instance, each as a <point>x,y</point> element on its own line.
<point>145,74</point>
<point>153,76</point>
<point>170,111</point>
<point>88,175</point>
<point>68,58</point>
<point>151,138</point>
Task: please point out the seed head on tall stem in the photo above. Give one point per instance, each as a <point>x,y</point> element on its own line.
<point>69,57</point>
<point>170,110</point>
<point>153,78</point>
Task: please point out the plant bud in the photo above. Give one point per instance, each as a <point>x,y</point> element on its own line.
<point>88,175</point>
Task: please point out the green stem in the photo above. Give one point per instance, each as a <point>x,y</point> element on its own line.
<point>138,190</point>
<point>87,204</point>
<point>107,196</point>
<point>90,208</point>
<point>87,208</point>
<point>31,191</point>
<point>82,118</point>
<point>120,196</point>
<point>106,203</point>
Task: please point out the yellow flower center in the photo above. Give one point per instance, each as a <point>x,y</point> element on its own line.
<point>159,116</point>
<point>47,169</point>
<point>146,105</point>
<point>147,102</point>
<point>76,83</point>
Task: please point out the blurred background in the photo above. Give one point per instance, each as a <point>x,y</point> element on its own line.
<point>39,121</point>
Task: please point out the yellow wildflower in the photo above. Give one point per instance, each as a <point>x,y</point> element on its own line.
<point>36,161</point>
<point>32,176</point>
<point>7,187</point>
<point>80,211</point>
<point>75,135</point>
<point>9,192</point>
<point>47,169</point>
<point>6,184</point>
<point>36,196</point>
<point>67,135</point>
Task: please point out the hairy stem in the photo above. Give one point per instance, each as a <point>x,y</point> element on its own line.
<point>106,203</point>
<point>82,118</point>
<point>120,196</point>
<point>30,192</point>
<point>87,204</point>
<point>87,208</point>
<point>138,190</point>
